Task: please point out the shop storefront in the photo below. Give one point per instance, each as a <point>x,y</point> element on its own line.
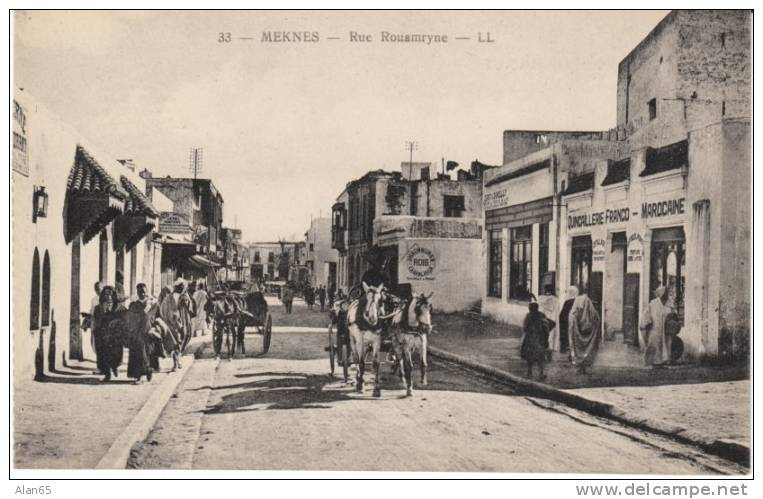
<point>623,237</point>
<point>519,237</point>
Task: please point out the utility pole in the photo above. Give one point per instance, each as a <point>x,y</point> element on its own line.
<point>411,146</point>
<point>195,161</point>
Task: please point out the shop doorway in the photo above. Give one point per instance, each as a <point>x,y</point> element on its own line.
<point>583,277</point>
<point>668,266</point>
<point>581,262</point>
<point>630,308</point>
<point>615,286</point>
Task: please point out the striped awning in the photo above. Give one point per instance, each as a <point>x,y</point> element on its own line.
<point>93,198</point>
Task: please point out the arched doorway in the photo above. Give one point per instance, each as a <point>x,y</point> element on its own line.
<point>45,290</point>
<point>34,301</point>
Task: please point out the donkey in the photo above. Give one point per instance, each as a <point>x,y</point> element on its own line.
<point>364,323</point>
<point>411,336</point>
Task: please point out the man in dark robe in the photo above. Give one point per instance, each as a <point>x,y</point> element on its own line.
<point>535,327</point>
<point>140,315</point>
<point>108,328</point>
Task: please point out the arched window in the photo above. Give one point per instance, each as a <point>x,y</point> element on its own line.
<point>34,302</point>
<point>46,290</point>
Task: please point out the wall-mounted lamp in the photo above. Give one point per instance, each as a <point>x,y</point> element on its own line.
<point>40,203</point>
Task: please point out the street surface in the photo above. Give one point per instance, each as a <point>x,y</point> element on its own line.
<point>282,411</point>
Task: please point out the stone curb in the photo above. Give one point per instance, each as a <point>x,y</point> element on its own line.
<point>731,451</point>
<point>140,426</point>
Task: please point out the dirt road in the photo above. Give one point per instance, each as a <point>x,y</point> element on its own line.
<point>283,411</point>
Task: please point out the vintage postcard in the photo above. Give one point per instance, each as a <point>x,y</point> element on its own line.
<point>389,241</point>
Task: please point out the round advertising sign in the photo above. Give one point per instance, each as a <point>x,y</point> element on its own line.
<point>421,262</point>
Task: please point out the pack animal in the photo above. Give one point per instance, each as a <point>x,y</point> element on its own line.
<point>411,326</point>
<point>364,323</point>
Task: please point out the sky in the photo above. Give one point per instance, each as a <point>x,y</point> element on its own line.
<point>284,126</point>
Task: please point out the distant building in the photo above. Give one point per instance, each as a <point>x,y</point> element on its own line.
<point>321,258</point>
<point>278,261</point>
<point>411,217</point>
<point>191,231</point>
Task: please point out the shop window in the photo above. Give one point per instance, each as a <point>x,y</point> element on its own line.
<point>45,290</point>
<point>581,262</point>
<point>34,301</point>
<point>652,106</point>
<point>495,264</point>
<point>520,274</point>
<point>454,206</point>
<point>543,244</point>
<point>668,266</point>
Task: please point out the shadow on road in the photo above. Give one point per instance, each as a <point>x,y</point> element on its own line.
<point>279,391</point>
<point>293,390</point>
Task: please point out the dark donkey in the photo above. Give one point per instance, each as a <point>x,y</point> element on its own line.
<point>410,332</point>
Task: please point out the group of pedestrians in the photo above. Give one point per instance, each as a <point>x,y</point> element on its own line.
<point>578,332</point>
<point>311,294</point>
<point>148,327</point>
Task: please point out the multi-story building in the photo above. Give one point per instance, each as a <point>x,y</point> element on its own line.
<point>664,202</point>
<point>321,258</point>
<point>191,232</point>
<point>411,217</point>
<point>522,210</point>
<point>339,239</point>
<point>196,200</point>
<point>278,261</point>
<point>79,217</point>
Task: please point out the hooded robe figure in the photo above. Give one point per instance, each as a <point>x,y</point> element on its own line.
<point>108,329</point>
<point>176,310</point>
<point>585,332</point>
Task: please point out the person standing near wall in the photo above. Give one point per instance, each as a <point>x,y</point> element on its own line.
<point>585,331</point>
<point>652,326</point>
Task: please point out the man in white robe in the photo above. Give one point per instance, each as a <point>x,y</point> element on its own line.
<point>656,344</point>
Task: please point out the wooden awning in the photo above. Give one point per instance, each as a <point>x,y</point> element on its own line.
<point>138,219</point>
<point>93,198</point>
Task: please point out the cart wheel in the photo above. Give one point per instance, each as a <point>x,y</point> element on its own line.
<point>332,350</point>
<point>267,335</point>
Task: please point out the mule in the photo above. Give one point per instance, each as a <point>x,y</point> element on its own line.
<point>364,323</point>
<point>410,335</point>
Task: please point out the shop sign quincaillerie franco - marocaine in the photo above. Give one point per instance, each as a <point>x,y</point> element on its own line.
<point>656,209</point>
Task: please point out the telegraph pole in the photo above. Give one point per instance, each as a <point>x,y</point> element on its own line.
<point>411,146</point>
<point>195,161</point>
